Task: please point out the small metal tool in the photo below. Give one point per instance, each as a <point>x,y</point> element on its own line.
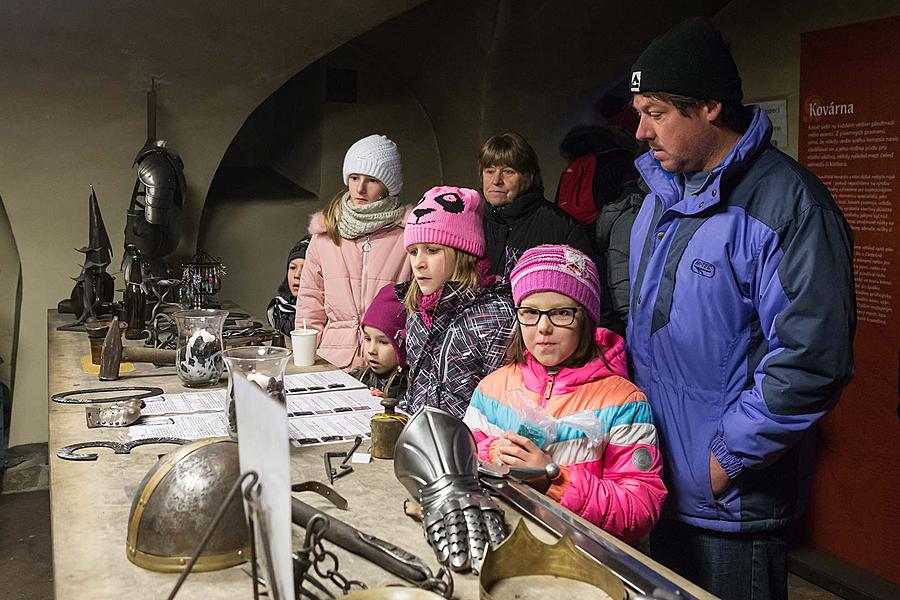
<point>113,353</point>
<point>323,490</point>
<point>333,473</point>
<point>357,442</point>
<point>345,469</point>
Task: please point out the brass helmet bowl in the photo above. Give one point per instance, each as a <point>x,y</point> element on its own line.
<point>175,504</point>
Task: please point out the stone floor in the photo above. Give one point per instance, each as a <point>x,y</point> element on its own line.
<point>26,566</point>
<point>800,589</point>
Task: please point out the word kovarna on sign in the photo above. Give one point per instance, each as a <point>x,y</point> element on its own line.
<point>817,108</point>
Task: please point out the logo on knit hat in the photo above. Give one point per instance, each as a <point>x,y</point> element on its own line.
<point>636,81</point>
<point>574,262</point>
<point>421,212</point>
<point>449,201</point>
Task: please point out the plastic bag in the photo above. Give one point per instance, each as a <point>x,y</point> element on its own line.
<point>535,424</point>
<point>588,423</point>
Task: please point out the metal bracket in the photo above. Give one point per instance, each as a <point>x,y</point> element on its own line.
<point>144,392</point>
<point>68,452</point>
<point>323,490</point>
<point>345,469</point>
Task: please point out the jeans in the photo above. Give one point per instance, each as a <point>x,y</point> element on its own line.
<point>733,566</point>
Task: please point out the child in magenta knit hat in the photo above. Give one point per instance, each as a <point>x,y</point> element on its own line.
<point>460,317</point>
<point>384,345</point>
<point>564,370</point>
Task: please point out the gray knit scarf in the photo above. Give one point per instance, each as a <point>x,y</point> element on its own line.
<point>364,219</point>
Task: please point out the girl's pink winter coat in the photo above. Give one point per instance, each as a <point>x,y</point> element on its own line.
<point>616,485</point>
<point>339,282</point>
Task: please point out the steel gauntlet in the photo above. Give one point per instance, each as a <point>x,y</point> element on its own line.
<point>437,461</point>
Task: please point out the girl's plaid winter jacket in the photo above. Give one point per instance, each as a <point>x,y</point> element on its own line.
<point>469,332</point>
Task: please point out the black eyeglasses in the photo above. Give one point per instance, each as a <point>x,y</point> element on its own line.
<point>561,317</point>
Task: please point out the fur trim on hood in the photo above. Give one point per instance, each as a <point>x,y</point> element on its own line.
<point>317,221</point>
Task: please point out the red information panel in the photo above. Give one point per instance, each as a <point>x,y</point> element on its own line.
<point>849,128</point>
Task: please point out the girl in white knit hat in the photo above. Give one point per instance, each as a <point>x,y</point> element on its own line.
<point>356,249</point>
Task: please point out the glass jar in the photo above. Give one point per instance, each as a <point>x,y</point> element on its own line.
<point>264,366</point>
<point>198,352</point>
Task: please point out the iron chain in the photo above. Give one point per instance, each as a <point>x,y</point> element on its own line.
<point>313,548</point>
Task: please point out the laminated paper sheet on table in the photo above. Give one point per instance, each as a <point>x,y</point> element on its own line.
<point>311,429</point>
<point>305,383</point>
<point>189,427</point>
<point>327,391</point>
<point>185,403</point>
<point>334,401</point>
<point>329,426</point>
<point>321,429</point>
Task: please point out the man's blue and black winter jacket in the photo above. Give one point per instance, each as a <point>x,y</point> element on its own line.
<point>741,328</point>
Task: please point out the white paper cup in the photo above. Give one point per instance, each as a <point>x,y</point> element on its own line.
<point>303,342</point>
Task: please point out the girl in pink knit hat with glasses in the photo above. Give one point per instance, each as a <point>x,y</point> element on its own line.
<point>565,398</point>
<point>460,316</point>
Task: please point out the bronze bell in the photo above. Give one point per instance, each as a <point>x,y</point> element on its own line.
<point>386,428</point>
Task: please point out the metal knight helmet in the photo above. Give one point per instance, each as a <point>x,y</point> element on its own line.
<point>153,226</point>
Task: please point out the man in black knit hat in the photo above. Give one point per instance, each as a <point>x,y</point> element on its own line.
<point>741,318</point>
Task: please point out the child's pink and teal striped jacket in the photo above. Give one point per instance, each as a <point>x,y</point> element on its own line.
<point>618,486</point>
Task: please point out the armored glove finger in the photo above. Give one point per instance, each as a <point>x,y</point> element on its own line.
<point>461,536</point>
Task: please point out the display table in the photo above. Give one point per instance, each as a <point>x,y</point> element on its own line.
<point>90,501</point>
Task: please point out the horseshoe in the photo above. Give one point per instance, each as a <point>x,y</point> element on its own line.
<point>69,452</point>
<point>65,397</point>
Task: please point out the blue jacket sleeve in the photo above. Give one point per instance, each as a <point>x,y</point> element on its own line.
<point>805,298</point>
